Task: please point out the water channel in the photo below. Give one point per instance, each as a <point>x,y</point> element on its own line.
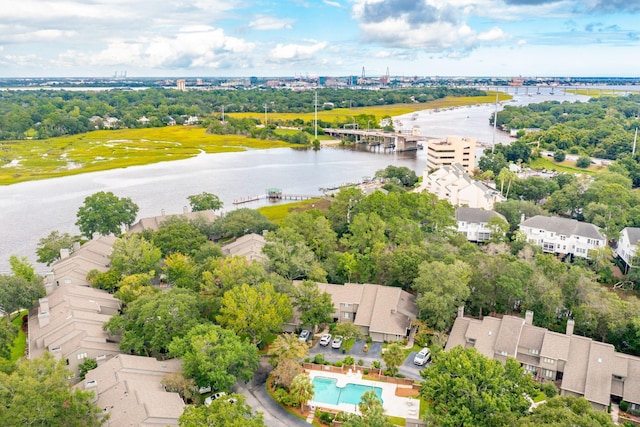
<point>31,210</point>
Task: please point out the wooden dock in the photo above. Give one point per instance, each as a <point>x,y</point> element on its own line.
<point>246,200</point>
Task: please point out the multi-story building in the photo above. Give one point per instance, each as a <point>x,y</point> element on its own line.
<point>452,149</point>
<point>578,365</point>
<point>474,223</point>
<point>563,236</point>
<point>627,247</point>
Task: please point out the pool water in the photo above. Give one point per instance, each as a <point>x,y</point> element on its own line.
<point>326,391</point>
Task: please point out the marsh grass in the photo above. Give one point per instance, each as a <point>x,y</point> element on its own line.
<point>112,149</point>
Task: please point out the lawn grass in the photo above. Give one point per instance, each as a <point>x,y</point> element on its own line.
<point>27,160</point>
<point>566,166</point>
<point>20,342</point>
<point>539,397</point>
<point>398,421</point>
<point>276,213</point>
<point>347,114</point>
<point>596,93</point>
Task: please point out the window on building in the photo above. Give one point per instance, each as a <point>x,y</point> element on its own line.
<point>548,360</point>
<point>81,356</point>
<point>346,315</point>
<point>547,373</point>
<point>548,247</point>
<point>563,237</point>
<point>531,368</point>
<point>534,351</point>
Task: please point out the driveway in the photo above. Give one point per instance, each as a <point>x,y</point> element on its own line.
<point>257,397</point>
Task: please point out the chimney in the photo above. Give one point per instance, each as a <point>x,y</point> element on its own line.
<point>185,209</point>
<point>522,218</point>
<point>64,253</point>
<point>528,317</point>
<point>161,212</point>
<point>76,246</point>
<point>570,324</point>
<point>461,311</point>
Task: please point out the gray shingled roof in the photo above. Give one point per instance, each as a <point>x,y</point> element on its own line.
<point>475,215</point>
<point>634,234</point>
<point>564,226</point>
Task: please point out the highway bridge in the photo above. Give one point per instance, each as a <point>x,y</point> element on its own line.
<point>388,140</point>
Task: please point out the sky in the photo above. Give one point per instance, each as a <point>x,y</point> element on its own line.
<point>216,38</point>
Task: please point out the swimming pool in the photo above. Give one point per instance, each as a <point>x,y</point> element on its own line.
<point>326,391</point>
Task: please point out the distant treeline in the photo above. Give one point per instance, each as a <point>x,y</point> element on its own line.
<point>603,127</point>
<point>47,113</point>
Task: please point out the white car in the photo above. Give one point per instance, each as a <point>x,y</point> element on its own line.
<point>325,339</point>
<point>213,397</point>
<point>422,357</point>
<point>304,335</point>
<point>337,342</point>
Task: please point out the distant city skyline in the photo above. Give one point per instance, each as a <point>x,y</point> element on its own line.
<point>319,37</point>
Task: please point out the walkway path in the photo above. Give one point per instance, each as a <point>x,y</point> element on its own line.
<point>258,398</point>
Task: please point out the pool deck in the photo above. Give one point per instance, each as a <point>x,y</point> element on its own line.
<point>393,405</point>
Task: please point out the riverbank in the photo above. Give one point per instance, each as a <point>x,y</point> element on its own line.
<point>29,160</point>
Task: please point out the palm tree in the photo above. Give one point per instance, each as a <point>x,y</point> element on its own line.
<point>393,357</point>
<point>301,390</point>
<point>287,346</point>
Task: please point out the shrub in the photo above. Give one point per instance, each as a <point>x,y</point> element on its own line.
<point>369,340</point>
<point>583,162</point>
<point>624,406</point>
<point>360,362</point>
<point>549,389</point>
<point>326,417</point>
<point>338,364</point>
<point>366,372</point>
<point>283,397</point>
<point>349,361</point>
<point>319,359</point>
<point>559,156</point>
<point>376,364</point>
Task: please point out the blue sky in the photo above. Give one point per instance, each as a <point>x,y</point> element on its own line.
<point>319,37</point>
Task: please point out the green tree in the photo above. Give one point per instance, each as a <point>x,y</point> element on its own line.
<point>342,209</point>
<point>86,366</point>
<point>287,346</point>
<point>16,293</point>
<point>178,235</point>
<point>181,271</point>
<point>132,287</point>
<point>105,213</point>
<point>583,162</point>
<point>240,222</point>
<point>176,382</point>
<point>254,311</point>
<point>204,201</point>
<point>393,357</point>
<point>288,255</point>
<point>222,413</point>
<point>8,333</point>
<point>348,330</point>
<point>149,324</point>
<point>559,156</point>
<point>499,229</point>
<point>566,411</point>
<point>301,389</point>
<point>21,267</point>
<point>49,247</point>
<point>441,289</point>
<point>133,254</point>
<point>467,389</point>
<point>372,410</point>
<point>38,394</point>
<point>224,274</point>
<point>215,357</point>
<point>315,308</point>
<point>316,231</point>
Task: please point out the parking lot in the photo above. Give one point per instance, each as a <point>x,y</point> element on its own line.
<point>408,369</point>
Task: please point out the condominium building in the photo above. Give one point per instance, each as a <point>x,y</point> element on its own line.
<point>453,149</point>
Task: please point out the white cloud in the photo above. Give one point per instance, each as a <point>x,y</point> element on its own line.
<point>38,36</point>
<point>332,3</point>
<point>271,23</point>
<point>295,52</point>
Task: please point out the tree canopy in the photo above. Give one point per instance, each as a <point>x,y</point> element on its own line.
<point>204,201</point>
<point>467,389</point>
<point>105,213</point>
<point>38,393</point>
<point>222,413</point>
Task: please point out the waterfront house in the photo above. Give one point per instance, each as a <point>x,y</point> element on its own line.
<point>474,223</point>
<point>628,246</point>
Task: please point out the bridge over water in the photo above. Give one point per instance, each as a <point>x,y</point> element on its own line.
<point>387,140</point>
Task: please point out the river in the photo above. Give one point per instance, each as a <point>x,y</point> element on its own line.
<point>31,210</point>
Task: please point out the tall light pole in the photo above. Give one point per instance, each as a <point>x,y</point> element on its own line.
<point>315,124</point>
<point>265,115</point>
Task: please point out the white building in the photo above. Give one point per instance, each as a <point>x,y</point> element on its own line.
<point>562,235</point>
<point>452,149</point>
<point>474,223</point>
<point>452,183</point>
<point>628,246</point>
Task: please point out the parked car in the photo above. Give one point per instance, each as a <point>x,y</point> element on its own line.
<point>213,397</point>
<point>325,339</point>
<point>337,342</point>
<point>304,335</point>
<point>423,357</point>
